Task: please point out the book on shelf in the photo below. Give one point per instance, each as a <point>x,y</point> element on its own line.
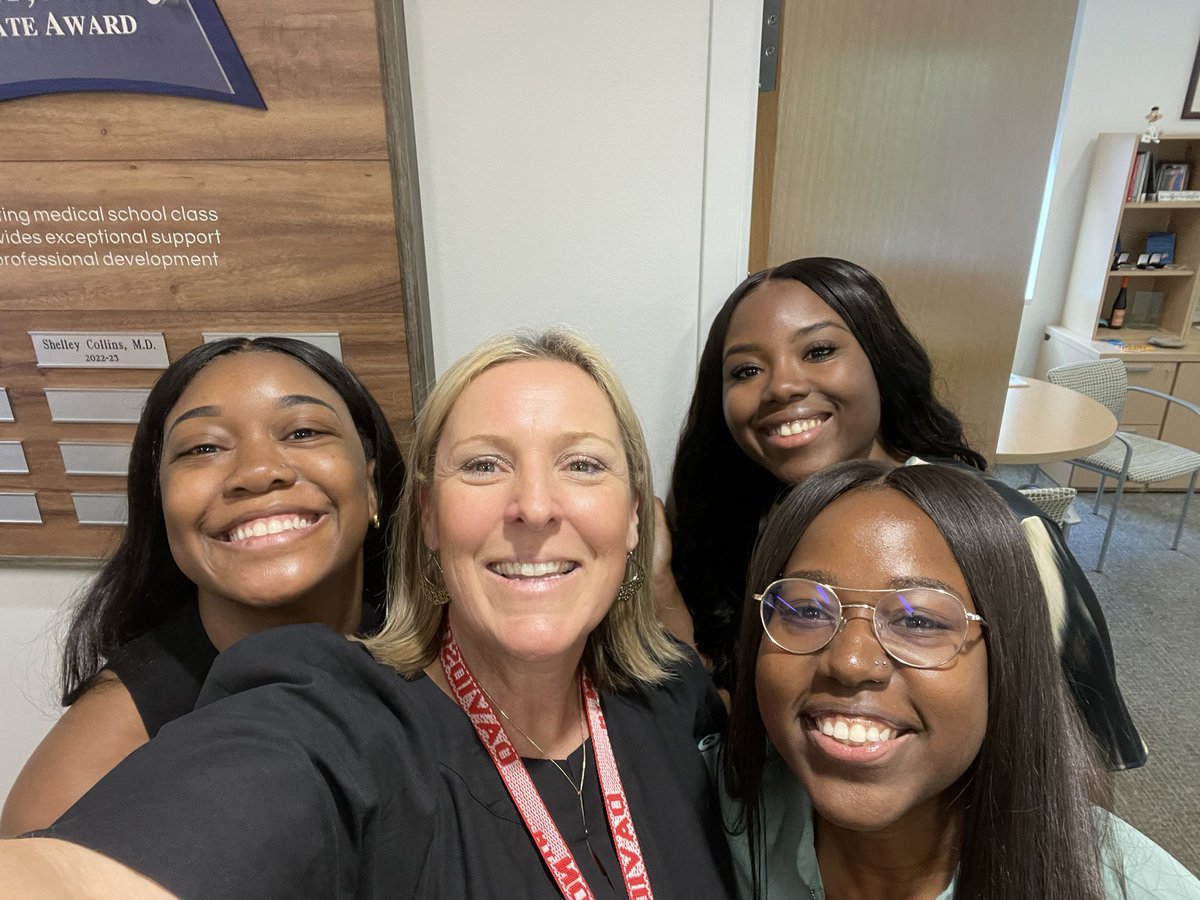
<point>1178,196</point>
<point>1172,176</point>
<point>1162,243</point>
<point>1141,179</point>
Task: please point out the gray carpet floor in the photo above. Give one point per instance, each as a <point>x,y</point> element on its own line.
<point>1151,598</point>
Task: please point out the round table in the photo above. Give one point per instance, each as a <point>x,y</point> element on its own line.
<point>1044,422</point>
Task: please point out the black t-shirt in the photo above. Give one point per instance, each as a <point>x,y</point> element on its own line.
<point>310,770</point>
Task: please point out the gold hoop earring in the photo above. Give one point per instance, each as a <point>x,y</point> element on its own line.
<point>438,595</point>
<point>634,576</point>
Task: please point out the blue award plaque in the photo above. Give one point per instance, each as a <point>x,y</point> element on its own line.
<point>180,47</point>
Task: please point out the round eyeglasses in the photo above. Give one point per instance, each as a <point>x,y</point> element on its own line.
<point>921,627</point>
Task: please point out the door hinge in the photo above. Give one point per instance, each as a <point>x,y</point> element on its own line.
<point>768,61</point>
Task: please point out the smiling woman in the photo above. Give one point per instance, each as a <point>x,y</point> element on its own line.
<point>579,512</point>
<point>809,364</point>
<point>267,496</point>
<point>255,474</point>
<point>522,726</point>
<point>799,390</point>
<point>912,735</point>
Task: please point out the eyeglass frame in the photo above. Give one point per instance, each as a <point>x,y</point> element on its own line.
<point>875,626</point>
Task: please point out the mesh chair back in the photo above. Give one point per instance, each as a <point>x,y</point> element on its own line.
<point>1104,380</point>
<point>1052,501</point>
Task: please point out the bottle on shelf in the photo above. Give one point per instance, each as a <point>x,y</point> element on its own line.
<point>1117,318</point>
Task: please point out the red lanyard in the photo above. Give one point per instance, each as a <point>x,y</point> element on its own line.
<point>555,852</point>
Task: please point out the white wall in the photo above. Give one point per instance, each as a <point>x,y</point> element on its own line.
<point>30,600</point>
<point>561,153</point>
<point>565,177</point>
<point>1131,56</point>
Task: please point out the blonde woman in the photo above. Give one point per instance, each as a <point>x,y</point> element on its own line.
<point>521,727</point>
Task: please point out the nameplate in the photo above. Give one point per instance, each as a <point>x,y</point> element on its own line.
<point>12,458</point>
<point>329,341</point>
<point>6,413</point>
<point>100,509</point>
<point>19,508</point>
<point>83,458</point>
<point>121,405</point>
<point>100,350</point>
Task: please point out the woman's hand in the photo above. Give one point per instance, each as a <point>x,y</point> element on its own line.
<point>668,602</point>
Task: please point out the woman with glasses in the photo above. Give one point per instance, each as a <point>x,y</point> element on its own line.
<point>806,365</point>
<point>900,726</point>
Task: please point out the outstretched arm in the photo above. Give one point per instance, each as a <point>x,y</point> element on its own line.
<point>273,787</point>
<point>95,733</point>
<point>46,869</point>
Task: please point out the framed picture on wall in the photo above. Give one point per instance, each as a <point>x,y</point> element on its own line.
<point>1191,103</point>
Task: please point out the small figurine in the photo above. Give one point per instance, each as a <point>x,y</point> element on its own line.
<point>1151,134</point>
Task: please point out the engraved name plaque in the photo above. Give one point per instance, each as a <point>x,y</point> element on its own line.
<point>99,350</point>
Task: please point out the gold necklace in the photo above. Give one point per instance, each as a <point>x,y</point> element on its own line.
<point>538,747</point>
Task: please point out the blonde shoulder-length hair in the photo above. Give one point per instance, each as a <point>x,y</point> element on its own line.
<point>630,645</point>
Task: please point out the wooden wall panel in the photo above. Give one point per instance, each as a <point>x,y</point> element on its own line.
<point>316,206</point>
<point>914,138</point>
<point>293,235</point>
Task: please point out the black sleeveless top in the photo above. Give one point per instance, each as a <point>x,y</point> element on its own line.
<point>164,669</point>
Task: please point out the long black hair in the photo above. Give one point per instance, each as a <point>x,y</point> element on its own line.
<point>139,585</point>
<point>719,495</point>
<point>1028,828</point>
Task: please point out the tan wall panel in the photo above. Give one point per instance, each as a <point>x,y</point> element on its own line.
<point>914,138</point>
<point>316,66</point>
<point>293,235</point>
<point>765,137</point>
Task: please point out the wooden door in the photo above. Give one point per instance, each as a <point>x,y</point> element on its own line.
<point>914,138</point>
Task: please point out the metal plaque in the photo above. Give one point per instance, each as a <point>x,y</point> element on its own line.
<point>99,350</point>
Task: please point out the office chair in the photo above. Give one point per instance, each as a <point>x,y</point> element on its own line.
<point>1128,456</point>
<point>1055,504</point>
